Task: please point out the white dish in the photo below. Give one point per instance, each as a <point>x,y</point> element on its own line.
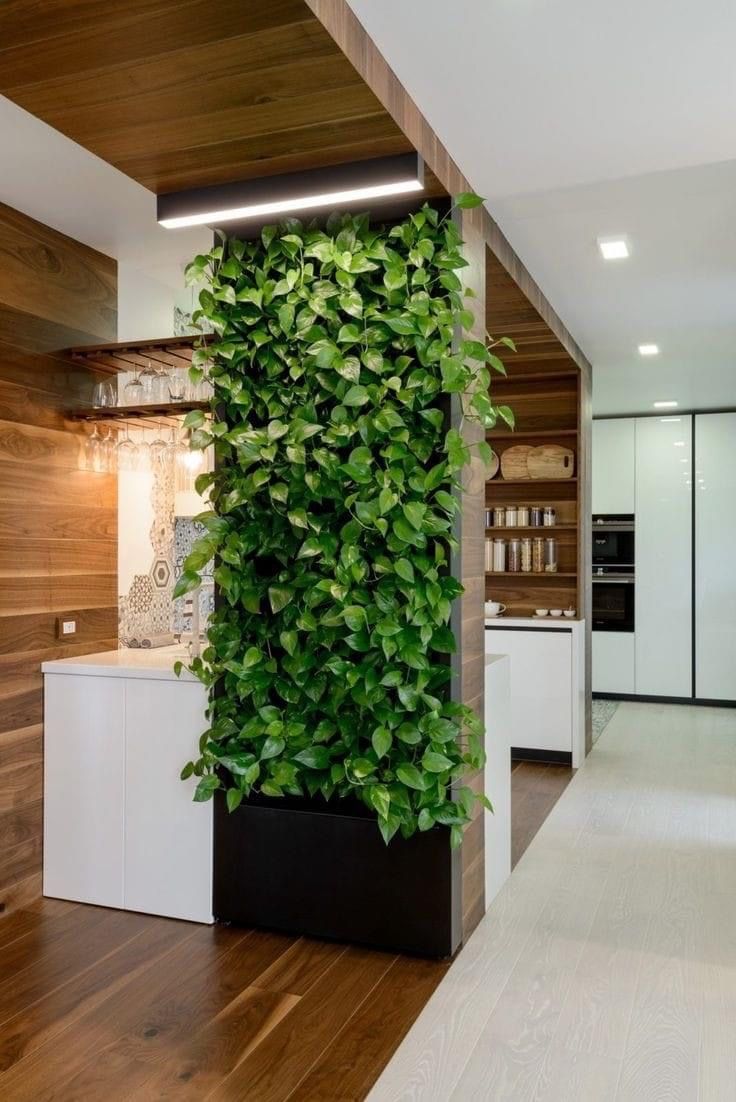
<point>556,612</point>
<point>569,613</point>
<point>541,612</point>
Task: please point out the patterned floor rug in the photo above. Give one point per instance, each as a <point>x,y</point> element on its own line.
<point>603,713</point>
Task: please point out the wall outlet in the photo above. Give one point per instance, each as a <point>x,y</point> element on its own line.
<point>66,627</point>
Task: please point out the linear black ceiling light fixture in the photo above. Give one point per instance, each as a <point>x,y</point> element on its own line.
<point>334,186</point>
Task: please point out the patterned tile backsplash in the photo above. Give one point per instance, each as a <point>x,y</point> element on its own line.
<point>148,610</point>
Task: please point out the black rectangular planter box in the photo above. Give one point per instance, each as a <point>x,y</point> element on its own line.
<point>319,869</point>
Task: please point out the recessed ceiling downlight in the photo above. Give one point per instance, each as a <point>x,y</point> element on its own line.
<point>648,349</point>
<point>665,405</point>
<point>613,248</point>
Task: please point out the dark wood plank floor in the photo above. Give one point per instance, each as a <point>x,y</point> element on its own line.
<point>535,789</point>
<point>102,1004</point>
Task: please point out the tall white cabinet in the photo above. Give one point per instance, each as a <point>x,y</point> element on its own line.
<point>663,636</point>
<point>644,466</point>
<point>715,539</point>
<point>614,466</point>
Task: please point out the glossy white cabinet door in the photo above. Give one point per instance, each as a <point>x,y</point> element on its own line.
<point>168,838</point>
<point>715,540</point>
<point>663,556</point>
<point>84,788</point>
<point>614,657</point>
<point>614,464</point>
<point>541,686</point>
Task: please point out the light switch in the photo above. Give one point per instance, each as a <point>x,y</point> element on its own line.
<point>67,627</point>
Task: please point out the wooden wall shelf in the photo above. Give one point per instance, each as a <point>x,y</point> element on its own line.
<point>511,436</point>
<point>122,356</point>
<point>531,575</point>
<point>128,413</point>
<point>547,408</point>
<point>531,482</point>
<point>549,529</point>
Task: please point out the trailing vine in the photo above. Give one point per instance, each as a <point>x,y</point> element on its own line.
<point>333,360</point>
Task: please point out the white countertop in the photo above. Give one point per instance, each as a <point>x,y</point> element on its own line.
<point>554,623</point>
<point>156,664</point>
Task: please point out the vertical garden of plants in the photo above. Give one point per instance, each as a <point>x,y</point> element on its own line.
<point>334,358</point>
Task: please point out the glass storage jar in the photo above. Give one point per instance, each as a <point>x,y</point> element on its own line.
<point>514,563</point>
<point>499,556</point>
<point>526,556</point>
<point>538,555</point>
<point>550,555</point>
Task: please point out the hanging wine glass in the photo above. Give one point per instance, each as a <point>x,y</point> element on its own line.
<point>149,382</point>
<point>157,449</point>
<point>161,387</point>
<point>174,448</point>
<point>127,452</point>
<point>93,450</point>
<point>109,451</point>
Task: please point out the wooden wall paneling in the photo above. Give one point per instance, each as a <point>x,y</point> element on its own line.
<point>585,538</point>
<point>58,522</point>
<point>469,666</point>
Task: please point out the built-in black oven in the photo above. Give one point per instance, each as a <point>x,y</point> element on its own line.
<point>613,602</point>
<point>613,572</point>
<point>613,542</point>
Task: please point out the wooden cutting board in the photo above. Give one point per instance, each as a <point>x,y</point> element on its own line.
<point>550,461</point>
<point>493,465</point>
<point>514,461</point>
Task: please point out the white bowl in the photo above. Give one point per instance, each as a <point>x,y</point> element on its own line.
<point>541,611</point>
<point>570,613</point>
<point>555,612</point>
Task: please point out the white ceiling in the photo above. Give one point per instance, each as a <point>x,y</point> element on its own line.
<point>578,121</point>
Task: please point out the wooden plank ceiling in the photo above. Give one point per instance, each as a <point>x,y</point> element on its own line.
<point>509,313</point>
<point>185,94</point>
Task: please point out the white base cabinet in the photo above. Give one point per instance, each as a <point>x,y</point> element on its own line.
<point>614,662</point>
<point>547,683</point>
<point>120,827</point>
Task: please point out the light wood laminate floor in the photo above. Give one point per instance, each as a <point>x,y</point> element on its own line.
<point>606,968</point>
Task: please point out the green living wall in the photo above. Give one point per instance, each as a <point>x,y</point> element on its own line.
<point>334,359</point>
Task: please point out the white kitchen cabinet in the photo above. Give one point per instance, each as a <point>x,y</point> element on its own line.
<point>715,539</point>
<point>663,556</point>
<point>614,660</point>
<point>120,827</point>
<point>547,683</point>
<point>84,764</point>
<point>168,838</point>
<point>614,465</point>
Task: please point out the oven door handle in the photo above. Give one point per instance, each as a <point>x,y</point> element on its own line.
<point>613,581</point>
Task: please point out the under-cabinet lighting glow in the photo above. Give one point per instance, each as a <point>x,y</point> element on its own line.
<point>648,349</point>
<point>665,405</point>
<point>669,420</point>
<point>613,248</point>
<point>305,202</point>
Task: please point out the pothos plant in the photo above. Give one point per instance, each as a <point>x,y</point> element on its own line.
<point>334,358</point>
